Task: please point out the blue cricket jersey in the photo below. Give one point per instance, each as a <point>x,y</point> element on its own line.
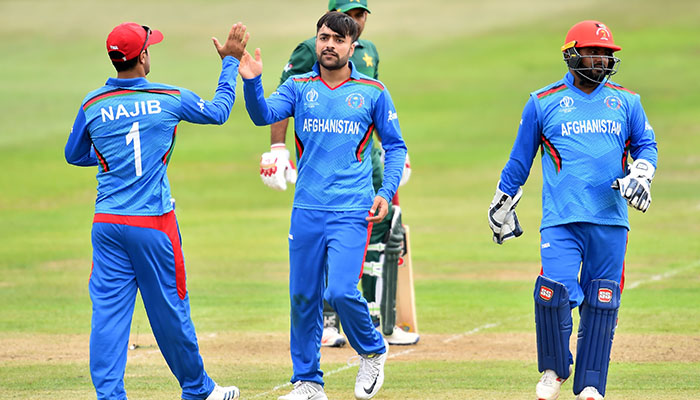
<point>333,134</point>
<point>127,128</point>
<point>585,141</point>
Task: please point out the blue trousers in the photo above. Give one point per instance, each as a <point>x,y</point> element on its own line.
<point>142,253</point>
<point>596,251</point>
<point>332,244</point>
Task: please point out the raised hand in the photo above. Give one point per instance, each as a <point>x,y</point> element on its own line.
<point>235,42</point>
<point>250,68</point>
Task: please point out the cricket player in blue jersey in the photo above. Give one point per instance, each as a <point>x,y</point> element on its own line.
<point>379,279</point>
<point>586,127</point>
<point>127,129</point>
<point>335,110</point>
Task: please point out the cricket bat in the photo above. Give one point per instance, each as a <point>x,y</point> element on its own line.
<point>405,293</point>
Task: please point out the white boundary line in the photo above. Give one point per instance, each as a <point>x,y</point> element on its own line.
<point>471,332</point>
<point>351,363</point>
<point>659,277</point>
<point>354,361</point>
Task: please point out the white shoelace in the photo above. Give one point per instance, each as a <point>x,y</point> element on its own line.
<point>368,368</point>
<point>549,378</point>
<point>302,387</point>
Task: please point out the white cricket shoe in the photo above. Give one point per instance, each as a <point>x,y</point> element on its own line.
<point>370,376</point>
<point>304,390</point>
<point>589,393</point>
<point>332,338</point>
<point>401,337</point>
<point>224,393</point>
<point>549,385</point>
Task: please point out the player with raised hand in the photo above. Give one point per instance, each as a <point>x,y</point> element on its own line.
<point>586,127</point>
<point>276,168</point>
<point>127,129</point>
<point>277,171</point>
<point>335,110</point>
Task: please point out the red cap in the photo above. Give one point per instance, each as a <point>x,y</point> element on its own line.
<point>130,39</point>
<point>590,33</point>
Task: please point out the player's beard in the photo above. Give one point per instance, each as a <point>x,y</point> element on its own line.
<point>595,75</point>
<point>334,63</point>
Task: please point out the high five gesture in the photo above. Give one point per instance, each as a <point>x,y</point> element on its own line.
<point>235,42</point>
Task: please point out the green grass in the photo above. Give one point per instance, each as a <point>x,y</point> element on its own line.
<point>459,73</point>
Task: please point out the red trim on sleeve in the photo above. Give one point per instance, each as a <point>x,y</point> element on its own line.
<point>361,146</point>
<point>166,157</point>
<point>618,87</point>
<point>299,145</point>
<point>551,91</point>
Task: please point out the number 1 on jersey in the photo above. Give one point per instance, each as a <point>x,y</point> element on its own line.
<point>133,135</point>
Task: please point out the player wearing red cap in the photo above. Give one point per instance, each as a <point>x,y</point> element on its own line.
<point>586,127</point>
<point>127,129</point>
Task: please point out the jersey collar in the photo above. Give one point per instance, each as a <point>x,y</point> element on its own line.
<point>126,82</point>
<point>569,80</point>
<point>354,74</point>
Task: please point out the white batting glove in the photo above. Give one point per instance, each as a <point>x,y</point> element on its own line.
<point>502,218</point>
<point>406,171</point>
<point>510,228</point>
<point>276,169</point>
<point>636,186</point>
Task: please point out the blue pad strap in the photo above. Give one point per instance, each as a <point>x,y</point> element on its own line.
<point>595,334</point>
<point>553,326</point>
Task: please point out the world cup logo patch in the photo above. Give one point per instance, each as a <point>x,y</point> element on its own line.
<point>355,100</point>
<point>311,96</point>
<point>566,104</point>
<point>546,293</point>
<point>311,99</point>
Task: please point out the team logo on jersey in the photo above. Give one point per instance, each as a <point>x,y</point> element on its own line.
<point>647,126</point>
<point>355,100</point>
<point>200,103</point>
<point>311,99</point>
<point>546,293</point>
<point>613,102</point>
<point>392,116</point>
<point>288,67</point>
<point>605,295</point>
<point>566,104</point>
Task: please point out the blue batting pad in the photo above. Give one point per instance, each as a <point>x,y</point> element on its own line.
<point>595,334</point>
<point>553,326</point>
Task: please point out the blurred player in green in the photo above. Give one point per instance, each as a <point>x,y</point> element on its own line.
<point>386,241</point>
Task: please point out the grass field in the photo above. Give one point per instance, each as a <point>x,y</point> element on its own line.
<point>459,73</point>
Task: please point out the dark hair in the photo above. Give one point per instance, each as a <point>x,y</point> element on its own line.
<point>339,23</point>
<point>122,66</point>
